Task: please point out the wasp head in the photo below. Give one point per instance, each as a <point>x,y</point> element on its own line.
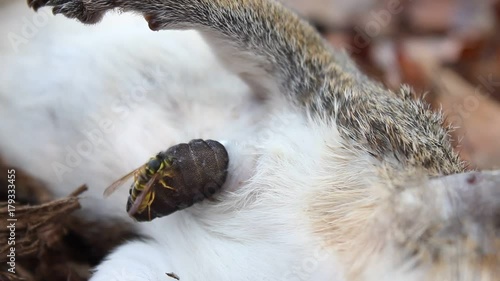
<point>153,165</point>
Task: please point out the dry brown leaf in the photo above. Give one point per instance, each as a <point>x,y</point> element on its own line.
<point>475,114</point>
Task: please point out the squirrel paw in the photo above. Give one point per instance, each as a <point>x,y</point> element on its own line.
<point>86,11</point>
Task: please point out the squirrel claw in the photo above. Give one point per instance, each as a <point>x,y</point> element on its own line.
<point>153,23</point>
<point>36,4</point>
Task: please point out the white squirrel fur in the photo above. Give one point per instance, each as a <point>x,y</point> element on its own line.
<point>157,89</point>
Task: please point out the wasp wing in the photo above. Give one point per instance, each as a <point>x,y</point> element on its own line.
<point>118,183</point>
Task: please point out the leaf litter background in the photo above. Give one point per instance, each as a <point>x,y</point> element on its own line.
<point>447,50</point>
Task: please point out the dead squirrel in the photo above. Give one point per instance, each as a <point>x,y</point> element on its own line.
<point>282,57</point>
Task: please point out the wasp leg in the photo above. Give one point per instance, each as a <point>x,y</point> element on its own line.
<point>164,184</point>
